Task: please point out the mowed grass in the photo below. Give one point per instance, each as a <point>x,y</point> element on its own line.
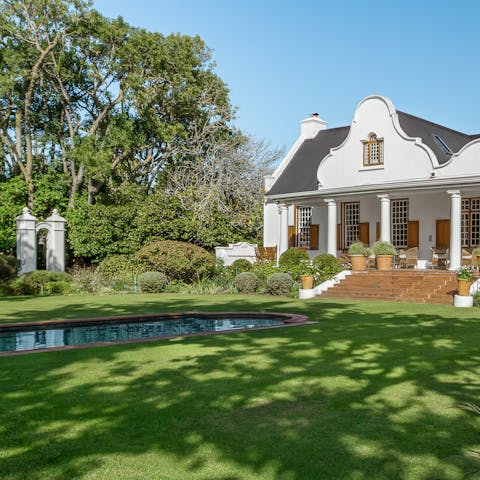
<point>369,391</point>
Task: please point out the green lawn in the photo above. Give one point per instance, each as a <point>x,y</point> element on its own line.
<point>367,392</point>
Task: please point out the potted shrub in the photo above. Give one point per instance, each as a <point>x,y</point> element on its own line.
<point>465,279</point>
<point>358,256</point>
<point>384,253</point>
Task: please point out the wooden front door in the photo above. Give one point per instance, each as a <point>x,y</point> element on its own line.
<point>442,238</point>
<point>413,233</point>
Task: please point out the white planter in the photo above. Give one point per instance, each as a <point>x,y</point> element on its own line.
<point>463,301</point>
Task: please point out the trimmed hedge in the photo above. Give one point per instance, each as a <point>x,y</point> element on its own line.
<point>179,261</point>
<point>327,266</point>
<point>117,269</point>
<point>292,257</point>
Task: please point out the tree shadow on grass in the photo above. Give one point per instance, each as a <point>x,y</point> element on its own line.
<point>366,393</point>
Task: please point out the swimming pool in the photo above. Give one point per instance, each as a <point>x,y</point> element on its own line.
<point>58,334</point>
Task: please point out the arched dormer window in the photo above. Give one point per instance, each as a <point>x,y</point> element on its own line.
<point>372,151</point>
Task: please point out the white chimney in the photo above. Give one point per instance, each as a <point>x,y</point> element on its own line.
<point>312,125</point>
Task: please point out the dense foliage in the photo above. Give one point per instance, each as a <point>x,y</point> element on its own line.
<point>327,265</point>
<point>152,282</point>
<point>127,132</point>
<point>177,260</point>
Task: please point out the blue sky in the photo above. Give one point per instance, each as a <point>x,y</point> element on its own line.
<point>285,59</point>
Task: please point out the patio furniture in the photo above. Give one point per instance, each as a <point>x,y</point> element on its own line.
<point>408,257</point>
<point>468,259</point>
<point>439,257</point>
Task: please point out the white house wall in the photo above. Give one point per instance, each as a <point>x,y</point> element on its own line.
<point>465,162</point>
<point>404,158</point>
<point>270,225</point>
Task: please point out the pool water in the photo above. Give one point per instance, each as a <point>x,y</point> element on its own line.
<point>35,337</point>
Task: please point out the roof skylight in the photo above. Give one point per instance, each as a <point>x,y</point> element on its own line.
<point>441,143</point>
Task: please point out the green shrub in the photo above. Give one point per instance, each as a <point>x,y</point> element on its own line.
<point>8,268</point>
<point>264,269</point>
<point>465,273</point>
<point>118,269</point>
<point>177,260</point>
<point>246,282</point>
<point>327,266</point>
<point>292,256</point>
<point>241,265</point>
<point>384,248</point>
<point>152,282</point>
<point>279,283</point>
<point>358,248</point>
<point>34,283</point>
<point>60,287</point>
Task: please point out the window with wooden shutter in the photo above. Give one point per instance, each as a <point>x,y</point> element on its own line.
<point>372,151</point>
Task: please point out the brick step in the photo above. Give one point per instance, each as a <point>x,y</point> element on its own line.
<point>404,286</point>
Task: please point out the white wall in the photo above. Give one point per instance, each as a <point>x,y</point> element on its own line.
<point>404,158</point>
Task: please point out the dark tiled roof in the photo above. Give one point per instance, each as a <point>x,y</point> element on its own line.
<point>300,175</point>
<point>418,127</point>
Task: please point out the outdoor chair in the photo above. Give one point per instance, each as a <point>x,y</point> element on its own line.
<point>439,257</point>
<point>468,259</point>
<point>409,258</point>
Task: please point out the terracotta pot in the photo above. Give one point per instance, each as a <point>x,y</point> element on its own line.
<point>384,262</point>
<point>307,282</point>
<point>359,262</point>
<point>464,287</point>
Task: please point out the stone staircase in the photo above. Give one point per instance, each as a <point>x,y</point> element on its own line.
<point>416,286</point>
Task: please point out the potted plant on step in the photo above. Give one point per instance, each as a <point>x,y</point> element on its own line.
<point>465,279</point>
<point>358,256</point>
<point>308,274</point>
<point>384,253</point>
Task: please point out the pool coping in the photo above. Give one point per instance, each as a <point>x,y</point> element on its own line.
<point>289,320</point>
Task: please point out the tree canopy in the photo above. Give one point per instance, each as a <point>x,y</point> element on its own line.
<point>115,124</point>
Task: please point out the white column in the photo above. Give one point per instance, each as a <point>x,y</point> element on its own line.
<point>331,227</point>
<point>282,230</point>
<point>26,242</point>
<point>385,223</point>
<point>455,250</point>
<point>56,242</point>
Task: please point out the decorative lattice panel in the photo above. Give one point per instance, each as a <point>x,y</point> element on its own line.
<point>399,223</point>
<point>351,219</point>
<point>304,222</point>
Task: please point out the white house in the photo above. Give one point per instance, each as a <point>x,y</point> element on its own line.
<point>389,176</point>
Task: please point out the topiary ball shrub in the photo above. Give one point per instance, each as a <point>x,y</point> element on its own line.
<point>327,266</point>
<point>152,282</point>
<point>246,282</point>
<point>291,257</point>
<point>177,260</point>
<point>8,268</point>
<point>279,283</point>
<point>241,265</point>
